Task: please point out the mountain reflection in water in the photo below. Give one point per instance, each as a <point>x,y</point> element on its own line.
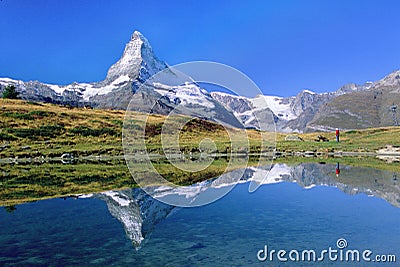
<point>139,213</point>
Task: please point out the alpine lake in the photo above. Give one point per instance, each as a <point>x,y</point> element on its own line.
<point>322,211</point>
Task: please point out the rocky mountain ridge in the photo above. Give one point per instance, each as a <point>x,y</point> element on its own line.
<point>308,111</point>
<point>350,107</point>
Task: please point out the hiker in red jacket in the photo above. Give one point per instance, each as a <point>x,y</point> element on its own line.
<point>337,135</point>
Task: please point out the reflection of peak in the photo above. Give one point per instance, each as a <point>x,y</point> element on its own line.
<point>124,208</point>
<point>382,184</point>
<point>137,212</point>
<point>306,175</point>
<point>151,210</point>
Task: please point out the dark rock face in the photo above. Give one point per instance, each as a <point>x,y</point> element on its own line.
<point>236,104</point>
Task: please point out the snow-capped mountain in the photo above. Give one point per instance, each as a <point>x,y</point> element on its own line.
<point>128,79</point>
<point>135,66</point>
<point>289,113</point>
<point>350,107</point>
<point>137,62</point>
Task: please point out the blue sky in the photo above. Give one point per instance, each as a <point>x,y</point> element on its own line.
<point>283,46</point>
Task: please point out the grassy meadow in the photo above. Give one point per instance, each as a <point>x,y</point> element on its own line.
<point>366,140</point>
<point>35,129</point>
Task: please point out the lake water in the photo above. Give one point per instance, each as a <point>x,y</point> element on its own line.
<point>299,207</point>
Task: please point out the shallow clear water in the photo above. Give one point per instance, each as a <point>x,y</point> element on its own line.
<point>228,232</point>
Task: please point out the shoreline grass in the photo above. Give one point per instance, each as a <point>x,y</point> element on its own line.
<point>45,130</point>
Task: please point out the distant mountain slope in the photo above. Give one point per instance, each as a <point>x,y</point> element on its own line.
<point>350,107</point>
<point>360,109</point>
<point>289,113</point>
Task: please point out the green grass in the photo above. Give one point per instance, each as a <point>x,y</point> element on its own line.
<point>56,130</point>
<point>33,181</point>
<point>51,130</point>
<point>368,140</point>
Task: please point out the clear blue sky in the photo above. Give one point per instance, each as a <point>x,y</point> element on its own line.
<point>284,46</point>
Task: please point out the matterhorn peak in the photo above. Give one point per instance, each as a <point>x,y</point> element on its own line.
<point>137,61</point>
<point>137,35</point>
<point>139,39</point>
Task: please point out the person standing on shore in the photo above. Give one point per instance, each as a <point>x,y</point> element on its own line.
<point>337,135</point>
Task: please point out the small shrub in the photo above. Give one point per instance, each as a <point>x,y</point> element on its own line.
<point>42,131</point>
<point>16,115</point>
<point>7,137</point>
<point>117,122</point>
<point>23,132</point>
<point>10,92</point>
<point>86,131</point>
<point>42,113</point>
<point>28,116</point>
<point>49,130</point>
<point>34,103</point>
<point>134,127</point>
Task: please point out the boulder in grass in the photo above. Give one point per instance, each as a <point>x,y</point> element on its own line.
<point>293,137</point>
<point>321,138</point>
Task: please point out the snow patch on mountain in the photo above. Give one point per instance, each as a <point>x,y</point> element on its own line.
<point>6,81</point>
<point>118,198</point>
<point>310,92</point>
<point>272,176</point>
<point>262,112</point>
<point>187,94</point>
<point>276,104</point>
<point>188,192</point>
